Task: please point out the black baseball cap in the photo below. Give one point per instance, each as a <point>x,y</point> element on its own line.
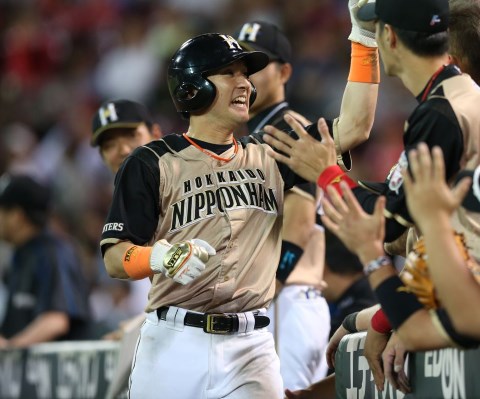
<point>472,200</point>
<point>26,193</point>
<point>424,16</point>
<point>265,37</point>
<point>118,114</point>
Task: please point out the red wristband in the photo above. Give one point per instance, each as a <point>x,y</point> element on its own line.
<point>380,322</point>
<point>333,175</point>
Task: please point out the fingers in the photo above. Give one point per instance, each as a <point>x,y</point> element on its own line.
<point>350,198</point>
<point>323,130</point>
<point>278,139</point>
<point>377,372</point>
<point>299,117</point>
<point>461,189</point>
<point>274,154</point>
<point>331,212</point>
<point>438,164</point>
<point>205,245</point>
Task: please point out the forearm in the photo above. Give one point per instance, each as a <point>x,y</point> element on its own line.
<point>113,260</point>
<point>46,327</point>
<point>446,263</point>
<point>356,114</point>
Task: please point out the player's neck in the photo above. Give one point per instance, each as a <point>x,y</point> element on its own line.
<point>210,133</point>
<point>420,71</point>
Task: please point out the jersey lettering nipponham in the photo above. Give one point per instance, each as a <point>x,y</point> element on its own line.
<point>212,194</point>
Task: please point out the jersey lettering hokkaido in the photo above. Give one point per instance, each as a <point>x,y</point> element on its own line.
<point>236,189</point>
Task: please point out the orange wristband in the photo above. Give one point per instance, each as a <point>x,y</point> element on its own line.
<point>364,64</point>
<point>136,262</point>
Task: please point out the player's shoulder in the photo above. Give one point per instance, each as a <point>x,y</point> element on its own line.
<point>156,149</point>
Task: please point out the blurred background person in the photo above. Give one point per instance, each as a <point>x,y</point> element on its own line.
<point>47,292</point>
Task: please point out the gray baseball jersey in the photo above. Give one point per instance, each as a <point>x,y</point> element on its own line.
<point>170,189</point>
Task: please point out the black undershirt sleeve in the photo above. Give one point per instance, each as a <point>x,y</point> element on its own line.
<point>435,124</point>
<point>134,211</point>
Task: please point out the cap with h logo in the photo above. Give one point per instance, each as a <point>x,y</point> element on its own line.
<point>265,37</point>
<point>116,115</point>
<point>423,16</point>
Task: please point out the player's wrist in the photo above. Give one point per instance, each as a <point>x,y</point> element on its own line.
<point>136,262</point>
<point>370,252</point>
<point>431,224</point>
<point>364,64</point>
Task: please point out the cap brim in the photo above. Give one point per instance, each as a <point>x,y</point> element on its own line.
<point>472,199</point>
<point>367,12</point>
<point>110,126</point>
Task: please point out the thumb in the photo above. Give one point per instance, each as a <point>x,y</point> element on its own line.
<point>201,243</point>
<point>461,189</point>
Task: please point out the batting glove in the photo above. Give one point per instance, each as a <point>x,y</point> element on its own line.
<point>362,32</point>
<point>182,262</point>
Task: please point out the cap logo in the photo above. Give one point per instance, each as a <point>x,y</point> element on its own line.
<point>108,114</point>
<point>435,20</point>
<point>249,32</point>
<point>232,43</point>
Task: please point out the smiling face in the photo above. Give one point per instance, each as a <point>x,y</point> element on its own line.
<point>233,91</point>
<point>117,144</point>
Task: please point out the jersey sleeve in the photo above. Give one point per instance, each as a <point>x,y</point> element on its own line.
<point>135,207</point>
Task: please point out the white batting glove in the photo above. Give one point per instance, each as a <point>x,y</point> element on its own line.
<point>362,32</point>
<point>182,262</point>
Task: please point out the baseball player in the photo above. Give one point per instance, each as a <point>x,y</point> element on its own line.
<point>299,307</point>
<point>415,46</point>
<point>118,127</point>
<point>200,214</point>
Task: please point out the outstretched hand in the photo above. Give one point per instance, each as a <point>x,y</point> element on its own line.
<point>363,234</point>
<point>306,156</point>
<point>427,193</point>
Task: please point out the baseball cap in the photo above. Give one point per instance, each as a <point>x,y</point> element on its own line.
<point>25,192</point>
<point>425,16</point>
<point>472,199</point>
<point>118,114</point>
<point>265,37</point>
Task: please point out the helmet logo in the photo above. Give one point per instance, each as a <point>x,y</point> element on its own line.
<point>232,43</point>
<point>107,113</point>
<point>249,32</point>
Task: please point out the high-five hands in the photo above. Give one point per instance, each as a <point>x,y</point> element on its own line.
<point>306,156</point>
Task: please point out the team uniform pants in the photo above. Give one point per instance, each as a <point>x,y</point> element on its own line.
<point>174,361</point>
<point>300,323</point>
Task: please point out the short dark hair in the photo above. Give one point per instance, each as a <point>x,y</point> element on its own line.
<point>465,35</point>
<point>338,258</point>
<point>421,43</point>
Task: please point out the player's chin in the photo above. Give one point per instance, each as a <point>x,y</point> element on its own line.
<point>240,112</point>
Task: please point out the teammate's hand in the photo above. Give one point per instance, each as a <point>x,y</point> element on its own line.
<point>375,344</point>
<point>333,345</point>
<point>362,32</point>
<point>183,261</point>
<point>362,233</point>
<point>426,190</point>
<point>306,156</point>
<point>393,358</point>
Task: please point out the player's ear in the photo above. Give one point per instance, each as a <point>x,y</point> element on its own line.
<point>156,131</point>
<point>286,72</point>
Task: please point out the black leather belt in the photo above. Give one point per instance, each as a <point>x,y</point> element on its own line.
<point>215,323</point>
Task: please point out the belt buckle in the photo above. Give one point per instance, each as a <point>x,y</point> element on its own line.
<point>211,319</point>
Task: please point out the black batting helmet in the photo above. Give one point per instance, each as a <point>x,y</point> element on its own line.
<point>189,87</point>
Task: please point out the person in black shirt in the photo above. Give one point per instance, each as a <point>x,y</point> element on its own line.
<point>47,292</point>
